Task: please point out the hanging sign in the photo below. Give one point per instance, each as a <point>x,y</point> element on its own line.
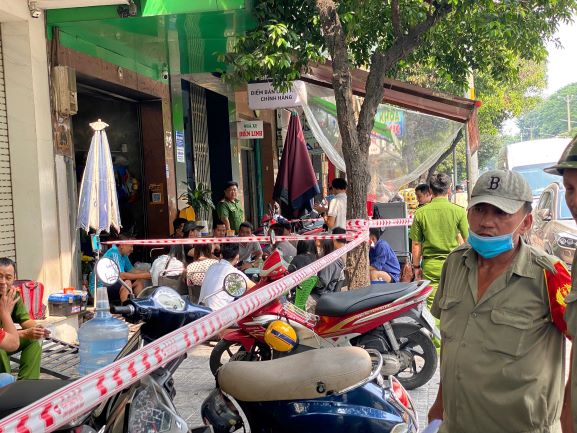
<point>263,96</point>
<point>249,129</point>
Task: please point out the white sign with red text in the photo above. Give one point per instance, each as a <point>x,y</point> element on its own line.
<point>249,129</point>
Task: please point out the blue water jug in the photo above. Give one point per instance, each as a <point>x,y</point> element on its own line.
<point>101,338</point>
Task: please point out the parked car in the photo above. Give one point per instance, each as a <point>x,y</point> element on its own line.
<point>554,229</point>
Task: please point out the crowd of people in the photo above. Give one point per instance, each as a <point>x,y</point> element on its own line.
<point>505,307</point>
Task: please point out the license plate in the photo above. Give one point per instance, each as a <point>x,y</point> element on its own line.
<point>430,320</point>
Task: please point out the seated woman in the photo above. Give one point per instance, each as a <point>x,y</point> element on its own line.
<point>190,230</point>
<point>195,272</point>
<point>384,265</point>
<point>332,276</point>
<point>306,254</point>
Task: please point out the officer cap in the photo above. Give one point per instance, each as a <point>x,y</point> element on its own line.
<point>568,159</point>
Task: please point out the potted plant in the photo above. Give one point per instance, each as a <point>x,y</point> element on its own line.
<point>200,199</point>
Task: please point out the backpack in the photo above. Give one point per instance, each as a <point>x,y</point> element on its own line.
<point>32,293</point>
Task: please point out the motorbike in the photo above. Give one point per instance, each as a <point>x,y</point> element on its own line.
<point>145,406</point>
<point>309,224</point>
<point>390,318</point>
<point>326,390</point>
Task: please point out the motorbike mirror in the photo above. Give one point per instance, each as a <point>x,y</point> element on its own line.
<point>107,271</point>
<point>235,285</point>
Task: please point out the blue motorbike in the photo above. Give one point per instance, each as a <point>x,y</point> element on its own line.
<point>330,390</point>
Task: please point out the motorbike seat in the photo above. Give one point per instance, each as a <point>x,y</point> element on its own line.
<point>342,303</point>
<point>311,374</point>
<point>19,394</point>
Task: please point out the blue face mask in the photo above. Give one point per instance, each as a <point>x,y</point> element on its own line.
<point>491,246</point>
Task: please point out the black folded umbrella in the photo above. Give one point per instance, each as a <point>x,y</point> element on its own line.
<point>296,183</point>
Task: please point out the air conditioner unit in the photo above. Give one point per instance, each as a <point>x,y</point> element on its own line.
<point>65,94</point>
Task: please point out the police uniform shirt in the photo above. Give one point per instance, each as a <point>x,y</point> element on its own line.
<point>502,357</point>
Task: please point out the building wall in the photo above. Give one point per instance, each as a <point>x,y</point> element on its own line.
<point>36,210</point>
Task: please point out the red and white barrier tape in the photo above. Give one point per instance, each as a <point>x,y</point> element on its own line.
<point>394,222</point>
<point>76,399</point>
<point>351,225</point>
<point>229,240</point>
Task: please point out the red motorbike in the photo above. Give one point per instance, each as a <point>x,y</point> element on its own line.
<point>391,318</point>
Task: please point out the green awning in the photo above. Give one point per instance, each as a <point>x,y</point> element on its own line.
<point>201,29</point>
<point>172,7</point>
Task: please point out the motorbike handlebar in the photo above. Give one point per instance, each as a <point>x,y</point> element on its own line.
<point>127,310</point>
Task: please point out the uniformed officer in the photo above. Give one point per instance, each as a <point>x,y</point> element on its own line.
<point>567,167</point>
<point>502,322</point>
<point>435,231</point>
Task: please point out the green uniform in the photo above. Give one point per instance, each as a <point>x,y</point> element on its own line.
<point>435,226</point>
<point>31,349</point>
<point>502,358</point>
<point>232,211</point>
<point>571,319</point>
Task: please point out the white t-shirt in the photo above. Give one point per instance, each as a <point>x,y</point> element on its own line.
<point>338,209</point>
<point>212,283</point>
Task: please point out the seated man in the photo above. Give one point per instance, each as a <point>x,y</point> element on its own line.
<point>218,231</point>
<point>384,265</point>
<point>11,340</point>
<point>178,226</point>
<point>288,249</point>
<point>211,292</point>
<point>134,278</point>
<point>248,252</point>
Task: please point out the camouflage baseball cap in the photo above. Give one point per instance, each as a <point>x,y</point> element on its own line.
<point>505,189</point>
<point>568,159</point>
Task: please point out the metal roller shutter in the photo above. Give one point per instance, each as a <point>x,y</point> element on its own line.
<point>7,246</point>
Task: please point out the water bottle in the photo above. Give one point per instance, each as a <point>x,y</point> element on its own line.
<point>101,338</point>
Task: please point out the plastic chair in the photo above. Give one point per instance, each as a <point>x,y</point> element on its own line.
<point>303,291</point>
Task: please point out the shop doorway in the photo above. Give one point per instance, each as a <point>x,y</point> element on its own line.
<point>251,180</point>
<point>136,137</point>
<point>123,118</point>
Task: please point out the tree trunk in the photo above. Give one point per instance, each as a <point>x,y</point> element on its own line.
<point>358,181</point>
<point>356,137</point>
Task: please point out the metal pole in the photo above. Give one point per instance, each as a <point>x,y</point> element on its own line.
<point>568,100</point>
<point>455,177</point>
<point>468,161</point>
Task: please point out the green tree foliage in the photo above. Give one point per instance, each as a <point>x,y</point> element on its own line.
<point>452,37</point>
<point>549,118</point>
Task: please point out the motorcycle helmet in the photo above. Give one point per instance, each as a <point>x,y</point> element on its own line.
<point>274,267</point>
<point>281,336</point>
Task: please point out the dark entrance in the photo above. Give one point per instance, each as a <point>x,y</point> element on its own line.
<point>136,139</point>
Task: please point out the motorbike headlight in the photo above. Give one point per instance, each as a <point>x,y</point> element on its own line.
<point>149,413</point>
<point>566,240</point>
<point>169,299</point>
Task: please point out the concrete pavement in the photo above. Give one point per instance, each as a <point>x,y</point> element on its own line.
<point>194,381</point>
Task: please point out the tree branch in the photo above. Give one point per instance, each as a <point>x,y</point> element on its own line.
<point>396,18</point>
<point>342,83</point>
<point>382,62</point>
<point>445,154</point>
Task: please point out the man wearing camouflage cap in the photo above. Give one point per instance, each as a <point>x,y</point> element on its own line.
<point>567,167</point>
<point>501,325</point>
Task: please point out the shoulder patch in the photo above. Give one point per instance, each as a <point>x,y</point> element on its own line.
<point>544,260</point>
